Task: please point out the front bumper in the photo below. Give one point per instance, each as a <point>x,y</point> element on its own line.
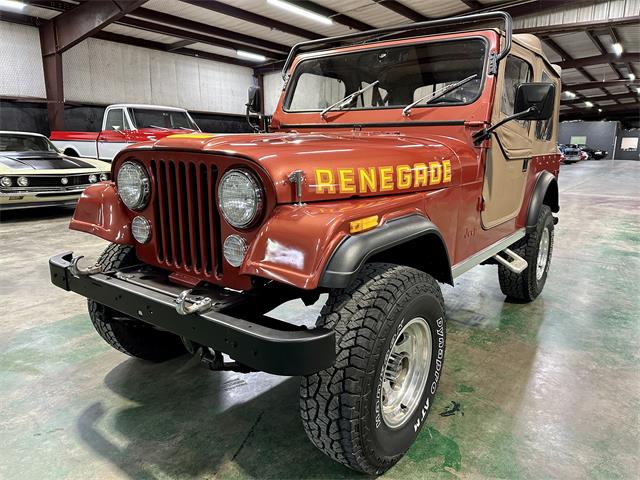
<point>263,344</point>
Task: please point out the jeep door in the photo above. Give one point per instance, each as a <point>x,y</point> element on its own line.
<point>507,161</point>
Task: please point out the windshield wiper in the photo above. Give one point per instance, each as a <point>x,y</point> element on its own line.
<point>441,92</point>
<point>156,126</point>
<point>346,100</point>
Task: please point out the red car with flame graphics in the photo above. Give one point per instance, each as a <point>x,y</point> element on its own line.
<point>395,161</point>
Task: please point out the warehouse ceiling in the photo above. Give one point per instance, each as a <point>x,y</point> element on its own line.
<point>597,43</point>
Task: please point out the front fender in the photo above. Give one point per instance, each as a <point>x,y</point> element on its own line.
<point>297,242</point>
<point>101,213</point>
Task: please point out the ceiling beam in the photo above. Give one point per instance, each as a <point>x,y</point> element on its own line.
<point>576,87</point>
<point>180,22</point>
<point>603,59</point>
<point>179,44</point>
<point>601,98</point>
<point>231,11</point>
<point>473,4</point>
<point>337,17</point>
<point>402,9</point>
<point>196,37</point>
<point>577,27</point>
<point>140,42</point>
<point>82,21</point>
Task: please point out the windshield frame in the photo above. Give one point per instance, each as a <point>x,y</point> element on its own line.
<point>33,135</point>
<point>293,79</point>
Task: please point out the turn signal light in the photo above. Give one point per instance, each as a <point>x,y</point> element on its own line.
<point>363,224</point>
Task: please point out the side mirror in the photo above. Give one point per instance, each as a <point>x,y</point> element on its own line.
<point>254,99</point>
<point>539,97</point>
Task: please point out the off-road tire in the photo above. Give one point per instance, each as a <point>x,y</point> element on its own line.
<point>526,286</point>
<point>126,334</point>
<point>340,406</point>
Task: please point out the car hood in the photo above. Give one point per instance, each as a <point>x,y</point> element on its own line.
<point>41,161</point>
<point>335,160</point>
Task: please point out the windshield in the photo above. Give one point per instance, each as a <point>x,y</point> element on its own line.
<point>404,74</point>
<point>151,118</point>
<point>25,143</point>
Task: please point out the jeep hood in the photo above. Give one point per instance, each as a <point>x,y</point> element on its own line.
<point>336,166</point>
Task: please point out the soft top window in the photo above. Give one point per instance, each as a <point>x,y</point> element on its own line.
<point>404,74</point>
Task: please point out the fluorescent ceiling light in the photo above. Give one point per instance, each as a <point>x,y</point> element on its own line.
<point>301,11</point>
<point>617,49</point>
<point>632,76</point>
<point>570,94</point>
<point>12,4</point>
<point>588,104</point>
<point>251,56</point>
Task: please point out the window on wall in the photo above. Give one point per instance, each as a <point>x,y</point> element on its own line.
<point>544,128</point>
<point>516,71</point>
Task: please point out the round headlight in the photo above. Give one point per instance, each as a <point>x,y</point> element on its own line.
<point>23,181</point>
<point>239,198</point>
<point>234,250</point>
<point>93,178</point>
<point>6,182</point>
<point>104,177</point>
<point>133,185</point>
<point>141,229</point>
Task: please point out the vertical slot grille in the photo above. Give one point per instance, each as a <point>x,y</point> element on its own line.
<point>186,217</point>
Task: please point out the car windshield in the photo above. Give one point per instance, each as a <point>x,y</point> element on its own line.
<point>404,74</point>
<point>152,118</point>
<point>10,142</point>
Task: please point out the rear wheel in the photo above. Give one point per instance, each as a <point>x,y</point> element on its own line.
<point>366,410</point>
<point>536,248</point>
<point>127,334</point>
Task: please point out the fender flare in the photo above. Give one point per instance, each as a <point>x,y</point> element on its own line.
<point>545,192</point>
<point>349,257</point>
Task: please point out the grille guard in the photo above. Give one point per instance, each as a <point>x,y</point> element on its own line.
<point>271,346</point>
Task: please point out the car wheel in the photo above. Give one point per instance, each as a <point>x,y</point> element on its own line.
<point>366,410</point>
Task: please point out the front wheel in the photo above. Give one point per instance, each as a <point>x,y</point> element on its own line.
<point>366,410</point>
<point>126,334</point>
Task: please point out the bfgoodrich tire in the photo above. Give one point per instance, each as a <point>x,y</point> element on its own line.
<point>126,334</point>
<point>390,335</point>
<point>536,248</point>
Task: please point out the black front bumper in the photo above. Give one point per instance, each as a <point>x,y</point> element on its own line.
<point>271,346</point>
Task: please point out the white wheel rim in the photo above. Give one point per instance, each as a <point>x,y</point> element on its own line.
<point>406,373</point>
<point>543,253</point>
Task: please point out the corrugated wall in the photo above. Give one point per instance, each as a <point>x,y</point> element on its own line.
<point>21,73</point>
<point>97,71</point>
<point>101,72</point>
<point>272,89</point>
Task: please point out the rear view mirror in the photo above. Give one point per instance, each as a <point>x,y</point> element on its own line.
<point>539,97</point>
<point>254,99</point>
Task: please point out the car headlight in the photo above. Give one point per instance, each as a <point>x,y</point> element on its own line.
<point>93,178</point>
<point>240,198</point>
<point>6,182</point>
<point>133,185</point>
<point>23,181</point>
<point>104,177</point>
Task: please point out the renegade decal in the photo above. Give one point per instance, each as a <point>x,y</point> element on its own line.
<point>382,179</point>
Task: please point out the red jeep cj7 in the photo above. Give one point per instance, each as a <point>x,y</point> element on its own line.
<point>397,159</point>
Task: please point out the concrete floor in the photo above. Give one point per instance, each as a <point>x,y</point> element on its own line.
<point>545,390</point>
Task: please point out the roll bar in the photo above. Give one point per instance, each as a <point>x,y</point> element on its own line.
<point>472,18</point>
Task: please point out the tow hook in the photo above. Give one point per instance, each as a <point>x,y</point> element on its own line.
<point>198,304</point>
<point>78,271</point>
